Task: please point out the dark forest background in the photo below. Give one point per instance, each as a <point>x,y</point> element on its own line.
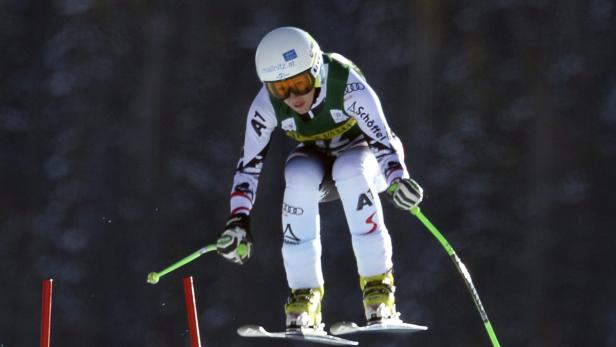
<point>121,123</point>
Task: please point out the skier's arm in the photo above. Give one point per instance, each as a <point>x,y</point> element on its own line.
<point>235,242</point>
<point>361,102</point>
<point>260,123</point>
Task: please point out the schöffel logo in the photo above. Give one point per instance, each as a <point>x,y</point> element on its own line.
<point>289,55</point>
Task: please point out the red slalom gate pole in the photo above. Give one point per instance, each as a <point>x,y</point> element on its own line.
<point>191,311</point>
<point>46,312</point>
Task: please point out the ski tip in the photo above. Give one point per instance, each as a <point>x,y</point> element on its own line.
<point>315,337</point>
<point>400,327</point>
<point>250,330</point>
<point>396,326</point>
<point>342,327</point>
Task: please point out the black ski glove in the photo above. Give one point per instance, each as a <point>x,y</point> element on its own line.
<point>235,242</point>
<point>405,193</point>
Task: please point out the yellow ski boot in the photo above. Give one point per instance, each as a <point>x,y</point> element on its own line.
<point>303,310</point>
<point>379,300</point>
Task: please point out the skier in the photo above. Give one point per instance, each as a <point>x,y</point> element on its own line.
<point>323,101</point>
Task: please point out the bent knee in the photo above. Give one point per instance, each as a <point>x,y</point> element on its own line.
<point>352,163</point>
<point>303,172</point>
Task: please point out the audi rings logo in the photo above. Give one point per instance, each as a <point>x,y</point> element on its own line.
<point>298,211</point>
<point>353,87</point>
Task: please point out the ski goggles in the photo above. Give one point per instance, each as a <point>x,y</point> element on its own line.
<point>300,84</point>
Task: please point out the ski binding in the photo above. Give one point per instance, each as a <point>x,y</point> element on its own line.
<point>386,326</point>
<point>316,336</point>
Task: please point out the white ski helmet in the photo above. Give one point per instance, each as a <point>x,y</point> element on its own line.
<point>286,52</point>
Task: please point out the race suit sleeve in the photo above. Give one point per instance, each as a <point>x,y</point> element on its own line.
<point>260,123</point>
<point>362,103</point>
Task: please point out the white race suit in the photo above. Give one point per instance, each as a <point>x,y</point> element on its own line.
<point>353,147</point>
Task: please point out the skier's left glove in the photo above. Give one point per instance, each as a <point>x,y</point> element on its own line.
<point>235,242</point>
<point>405,193</point>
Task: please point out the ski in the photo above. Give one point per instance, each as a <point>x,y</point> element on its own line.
<point>395,326</point>
<point>319,336</point>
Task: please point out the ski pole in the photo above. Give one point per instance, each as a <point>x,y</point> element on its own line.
<point>154,277</point>
<point>461,269</point>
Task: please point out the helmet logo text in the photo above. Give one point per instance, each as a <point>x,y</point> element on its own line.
<point>289,55</point>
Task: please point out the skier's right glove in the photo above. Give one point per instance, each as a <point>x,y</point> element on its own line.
<point>235,242</point>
